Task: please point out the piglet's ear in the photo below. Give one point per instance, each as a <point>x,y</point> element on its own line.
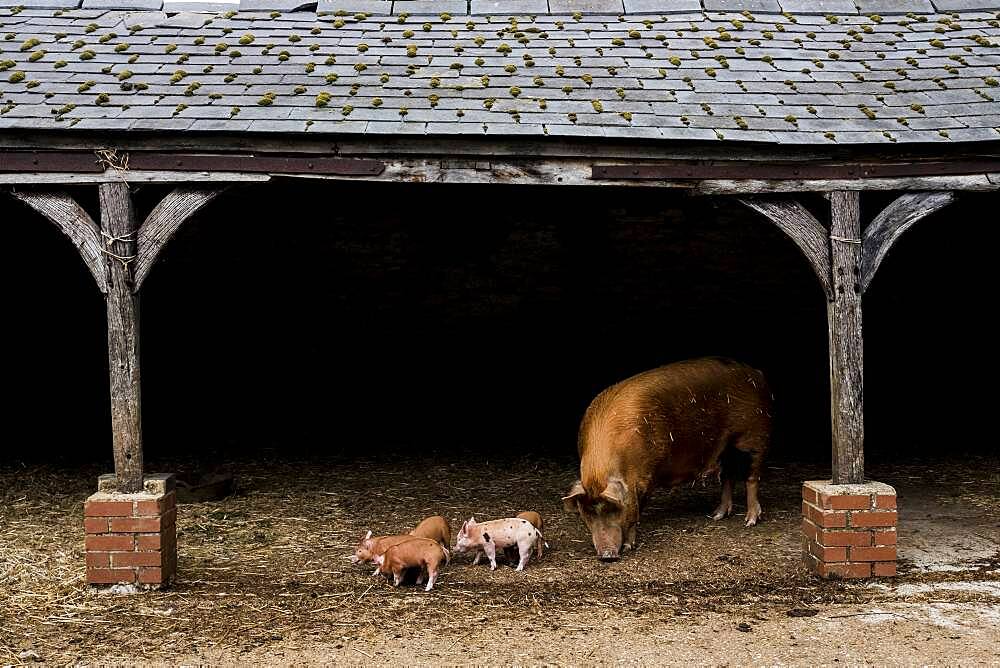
<point>571,502</point>
<point>368,535</point>
<point>616,492</point>
<point>472,520</point>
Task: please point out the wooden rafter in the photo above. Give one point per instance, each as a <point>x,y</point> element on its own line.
<point>801,227</point>
<point>890,224</point>
<point>164,221</point>
<point>64,211</point>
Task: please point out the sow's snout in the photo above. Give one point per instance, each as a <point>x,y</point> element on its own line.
<point>608,550</point>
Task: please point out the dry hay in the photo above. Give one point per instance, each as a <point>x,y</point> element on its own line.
<point>270,563</point>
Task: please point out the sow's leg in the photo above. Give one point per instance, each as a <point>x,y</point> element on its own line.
<point>755,447</point>
<point>725,508</point>
<point>742,459</point>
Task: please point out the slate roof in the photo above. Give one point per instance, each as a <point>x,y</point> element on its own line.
<point>688,73</point>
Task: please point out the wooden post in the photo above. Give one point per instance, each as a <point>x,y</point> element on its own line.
<point>120,254</point>
<point>119,233</point>
<point>846,342</point>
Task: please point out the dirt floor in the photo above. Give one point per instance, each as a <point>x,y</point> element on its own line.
<point>264,574</point>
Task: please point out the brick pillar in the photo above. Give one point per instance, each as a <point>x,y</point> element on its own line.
<point>850,530</point>
<point>131,538</point>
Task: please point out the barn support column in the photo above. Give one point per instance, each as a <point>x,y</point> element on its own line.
<point>130,521</point>
<point>849,523</point>
<point>118,230</point>
<point>846,340</point>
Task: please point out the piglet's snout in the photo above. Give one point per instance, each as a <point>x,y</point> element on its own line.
<point>608,555</point>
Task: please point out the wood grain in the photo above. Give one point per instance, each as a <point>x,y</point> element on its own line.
<point>891,222</point>
<point>62,210</point>
<point>846,343</point>
<point>801,227</point>
<point>164,221</point>
<point>119,233</point>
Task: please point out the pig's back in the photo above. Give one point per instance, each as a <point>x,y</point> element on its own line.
<point>682,412</point>
<point>435,528</point>
<point>385,542</point>
<point>415,550</point>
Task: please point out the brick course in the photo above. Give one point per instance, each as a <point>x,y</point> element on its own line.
<point>849,531</point>
<point>131,538</point>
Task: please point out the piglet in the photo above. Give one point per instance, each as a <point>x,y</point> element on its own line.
<point>536,521</point>
<point>370,547</point>
<point>487,537</point>
<point>422,553</point>
<point>436,528</point>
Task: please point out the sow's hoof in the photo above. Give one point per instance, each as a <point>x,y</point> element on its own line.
<point>200,488</point>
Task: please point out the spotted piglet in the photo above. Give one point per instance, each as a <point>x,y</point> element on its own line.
<point>488,537</point>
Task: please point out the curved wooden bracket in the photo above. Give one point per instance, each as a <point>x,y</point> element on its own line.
<point>64,211</point>
<point>801,227</point>
<point>890,224</point>
<point>164,221</point>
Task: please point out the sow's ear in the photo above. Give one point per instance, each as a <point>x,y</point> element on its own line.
<point>616,492</point>
<point>571,502</point>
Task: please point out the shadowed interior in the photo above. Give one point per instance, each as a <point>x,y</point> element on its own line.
<point>321,317</point>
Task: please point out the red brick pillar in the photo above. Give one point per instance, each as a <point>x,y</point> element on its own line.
<point>131,538</point>
<point>850,530</point>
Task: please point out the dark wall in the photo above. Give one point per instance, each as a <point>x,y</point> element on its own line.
<point>351,317</point>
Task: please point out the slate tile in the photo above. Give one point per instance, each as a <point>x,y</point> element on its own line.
<point>894,6</point>
<point>611,7</point>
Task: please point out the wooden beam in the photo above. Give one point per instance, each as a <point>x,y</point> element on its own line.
<point>969,182</point>
<point>164,221</point>
<point>119,231</point>
<point>133,176</point>
<point>801,227</point>
<point>846,343</point>
<point>62,210</point>
<point>554,170</point>
<point>890,224</point>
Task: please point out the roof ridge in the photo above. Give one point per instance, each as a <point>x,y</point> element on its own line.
<point>526,7</point>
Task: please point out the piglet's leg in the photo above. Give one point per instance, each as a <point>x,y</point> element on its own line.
<point>479,554</point>
<point>524,547</point>
<point>397,577</point>
<point>377,569</point>
<point>490,548</point>
<point>420,576</point>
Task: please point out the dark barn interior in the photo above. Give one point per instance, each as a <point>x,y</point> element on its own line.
<point>319,317</point>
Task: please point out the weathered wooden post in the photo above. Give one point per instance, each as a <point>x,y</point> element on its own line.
<point>130,521</point>
<point>849,523</point>
<point>119,234</point>
<point>846,342</point>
